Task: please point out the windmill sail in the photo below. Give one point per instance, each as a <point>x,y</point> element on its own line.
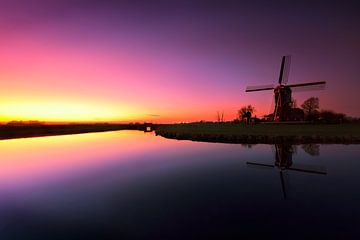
<point>283,107</point>
<point>285,69</point>
<point>307,171</point>
<point>307,84</point>
<point>259,88</point>
<point>309,88</point>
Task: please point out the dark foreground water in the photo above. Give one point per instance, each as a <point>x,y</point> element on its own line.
<point>131,185</point>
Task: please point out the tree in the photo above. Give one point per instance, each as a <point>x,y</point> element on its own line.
<point>245,113</point>
<point>220,116</point>
<point>328,116</point>
<point>311,105</point>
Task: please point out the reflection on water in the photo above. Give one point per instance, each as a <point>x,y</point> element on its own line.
<point>283,154</point>
<point>134,185</point>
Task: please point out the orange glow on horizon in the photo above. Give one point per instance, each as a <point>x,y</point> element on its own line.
<point>96,111</point>
<point>92,65</point>
<point>65,83</point>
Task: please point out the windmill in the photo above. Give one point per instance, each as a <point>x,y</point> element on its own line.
<point>283,162</point>
<point>283,110</point>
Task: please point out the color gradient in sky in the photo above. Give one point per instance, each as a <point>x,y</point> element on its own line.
<point>169,61</point>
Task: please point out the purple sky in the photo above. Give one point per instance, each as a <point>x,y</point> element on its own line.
<point>189,57</point>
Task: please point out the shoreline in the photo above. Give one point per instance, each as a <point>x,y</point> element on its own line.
<point>263,134</point>
<point>42,130</point>
<point>206,132</point>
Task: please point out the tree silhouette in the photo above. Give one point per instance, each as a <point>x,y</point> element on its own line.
<point>311,106</point>
<point>329,116</point>
<point>245,113</point>
<point>220,116</point>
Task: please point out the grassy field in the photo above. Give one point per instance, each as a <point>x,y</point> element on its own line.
<point>263,133</point>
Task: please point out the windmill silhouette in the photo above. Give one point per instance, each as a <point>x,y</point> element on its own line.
<point>283,110</point>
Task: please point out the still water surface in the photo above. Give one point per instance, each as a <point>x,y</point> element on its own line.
<point>132,185</point>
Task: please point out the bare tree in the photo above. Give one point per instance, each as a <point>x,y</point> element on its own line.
<point>220,116</point>
<point>311,105</point>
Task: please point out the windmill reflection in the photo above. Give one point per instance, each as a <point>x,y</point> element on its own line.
<point>283,161</point>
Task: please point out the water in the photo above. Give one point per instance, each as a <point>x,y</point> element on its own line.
<point>131,185</point>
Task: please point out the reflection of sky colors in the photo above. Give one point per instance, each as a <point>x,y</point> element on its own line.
<point>137,184</point>
<point>45,158</point>
<point>182,60</point>
<point>60,158</point>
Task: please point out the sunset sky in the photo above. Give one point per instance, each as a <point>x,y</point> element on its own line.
<point>169,61</point>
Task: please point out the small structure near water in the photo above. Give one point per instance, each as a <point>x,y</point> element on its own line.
<point>149,127</point>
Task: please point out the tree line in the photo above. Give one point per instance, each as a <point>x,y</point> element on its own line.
<point>311,108</point>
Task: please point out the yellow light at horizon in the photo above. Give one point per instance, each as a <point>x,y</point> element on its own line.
<point>63,111</point>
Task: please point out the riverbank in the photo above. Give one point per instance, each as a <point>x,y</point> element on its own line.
<point>263,133</point>
<point>38,130</point>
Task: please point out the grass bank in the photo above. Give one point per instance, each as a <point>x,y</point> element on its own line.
<point>263,133</point>
<point>23,131</point>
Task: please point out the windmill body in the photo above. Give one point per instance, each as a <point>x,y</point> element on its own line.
<point>283,110</point>
<point>283,102</point>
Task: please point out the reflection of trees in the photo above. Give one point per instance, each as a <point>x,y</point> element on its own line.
<point>283,161</point>
<point>311,149</point>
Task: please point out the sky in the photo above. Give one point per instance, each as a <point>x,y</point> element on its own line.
<point>171,61</point>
